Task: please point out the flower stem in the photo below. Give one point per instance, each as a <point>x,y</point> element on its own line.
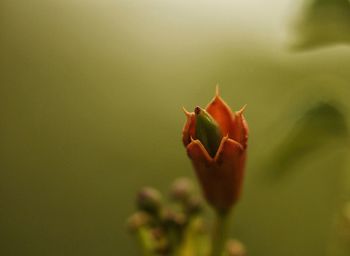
<point>220,233</point>
<point>146,242</point>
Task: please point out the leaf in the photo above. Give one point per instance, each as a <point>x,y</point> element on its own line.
<point>323,23</point>
<point>318,126</point>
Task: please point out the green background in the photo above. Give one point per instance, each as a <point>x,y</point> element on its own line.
<point>91,96</point>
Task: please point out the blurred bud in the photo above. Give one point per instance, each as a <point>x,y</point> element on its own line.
<point>235,248</point>
<point>161,243</point>
<point>207,131</point>
<point>149,200</point>
<point>194,205</point>
<point>138,220</point>
<point>173,219</point>
<point>158,233</point>
<point>181,189</point>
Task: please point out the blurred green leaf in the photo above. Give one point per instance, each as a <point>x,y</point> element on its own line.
<point>318,126</point>
<point>323,23</point>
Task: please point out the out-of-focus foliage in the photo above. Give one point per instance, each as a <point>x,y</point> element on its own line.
<point>322,23</point>
<point>318,126</point>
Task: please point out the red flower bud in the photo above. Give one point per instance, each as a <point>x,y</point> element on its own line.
<point>220,174</point>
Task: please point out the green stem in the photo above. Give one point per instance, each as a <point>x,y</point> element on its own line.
<point>146,242</point>
<point>220,233</point>
<point>193,242</point>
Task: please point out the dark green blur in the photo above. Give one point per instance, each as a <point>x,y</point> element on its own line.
<point>91,96</point>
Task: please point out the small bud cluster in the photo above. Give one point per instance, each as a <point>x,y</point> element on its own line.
<point>162,225</point>
<point>175,224</point>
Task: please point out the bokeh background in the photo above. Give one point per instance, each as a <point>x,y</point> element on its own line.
<point>90,111</point>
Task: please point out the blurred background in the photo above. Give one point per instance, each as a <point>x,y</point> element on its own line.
<point>91,96</point>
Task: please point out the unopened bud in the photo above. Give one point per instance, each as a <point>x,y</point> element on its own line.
<point>161,244</point>
<point>158,233</point>
<point>194,205</point>
<point>235,248</point>
<point>173,219</point>
<point>138,220</point>
<point>181,189</point>
<point>149,200</point>
<point>207,131</point>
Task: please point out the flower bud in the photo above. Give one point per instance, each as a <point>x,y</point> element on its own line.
<point>162,246</point>
<point>235,248</point>
<point>181,189</point>
<point>149,200</point>
<point>173,218</point>
<point>207,131</point>
<point>138,220</point>
<point>218,161</point>
<point>194,206</point>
